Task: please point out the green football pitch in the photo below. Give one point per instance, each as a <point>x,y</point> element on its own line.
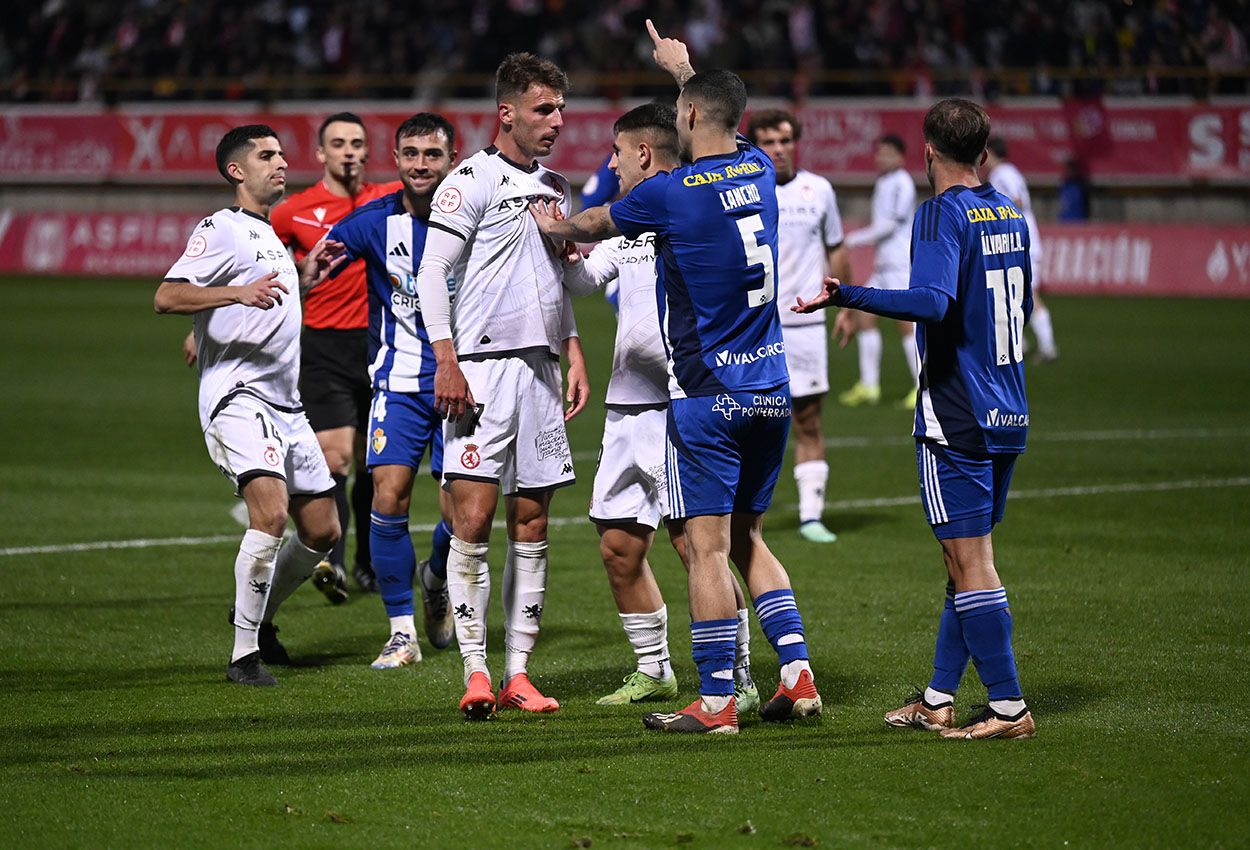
<point>1125,550</point>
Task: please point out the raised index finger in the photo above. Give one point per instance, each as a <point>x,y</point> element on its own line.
<point>655,36</point>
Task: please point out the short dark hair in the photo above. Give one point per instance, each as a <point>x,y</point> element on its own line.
<point>425,124</point>
<point>771,119</point>
<point>893,141</point>
<point>721,94</point>
<point>998,146</point>
<point>518,71</point>
<point>236,140</point>
<point>957,128</point>
<point>345,117</point>
<point>658,121</point>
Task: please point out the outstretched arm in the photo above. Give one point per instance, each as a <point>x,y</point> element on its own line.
<point>923,304</point>
<point>592,225</point>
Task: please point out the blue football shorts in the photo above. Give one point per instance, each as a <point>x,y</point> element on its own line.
<point>402,428</point>
<point>964,495</point>
<point>725,451</point>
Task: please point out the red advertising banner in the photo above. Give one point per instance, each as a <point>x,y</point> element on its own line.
<point>1094,259</point>
<point>1144,142</point>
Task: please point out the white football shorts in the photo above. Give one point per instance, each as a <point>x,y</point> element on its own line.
<point>630,481</point>
<point>807,359</point>
<point>250,438</point>
<point>518,439</point>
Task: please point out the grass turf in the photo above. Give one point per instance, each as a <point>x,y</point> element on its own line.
<point>1131,624</point>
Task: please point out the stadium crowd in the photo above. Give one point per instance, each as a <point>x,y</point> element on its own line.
<point>171,49</point>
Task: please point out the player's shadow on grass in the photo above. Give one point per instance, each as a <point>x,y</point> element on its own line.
<point>140,603</point>
<point>1062,697</point>
<point>839,522</point>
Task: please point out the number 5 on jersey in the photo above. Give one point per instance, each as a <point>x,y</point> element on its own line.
<point>758,254</point>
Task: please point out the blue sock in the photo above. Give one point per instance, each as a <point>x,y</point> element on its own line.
<point>713,643</point>
<point>440,549</point>
<point>986,624</point>
<point>950,658</point>
<point>394,561</point>
<point>782,625</point>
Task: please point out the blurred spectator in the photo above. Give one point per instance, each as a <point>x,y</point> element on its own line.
<point>135,49</point>
<point>1073,193</point>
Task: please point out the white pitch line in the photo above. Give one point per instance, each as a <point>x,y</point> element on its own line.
<point>1092,436</point>
<point>561,521</point>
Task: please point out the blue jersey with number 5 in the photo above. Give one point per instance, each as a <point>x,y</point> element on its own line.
<point>973,245</point>
<point>715,222</point>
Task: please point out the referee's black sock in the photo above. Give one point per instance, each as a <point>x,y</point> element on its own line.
<point>340,502</point>
<point>362,505</point>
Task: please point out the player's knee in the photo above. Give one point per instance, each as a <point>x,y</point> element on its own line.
<point>340,462</point>
<point>325,538</point>
<point>389,499</point>
<point>531,530</point>
<point>271,520</point>
<point>617,560</point>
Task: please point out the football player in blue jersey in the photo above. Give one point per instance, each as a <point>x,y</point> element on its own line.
<point>715,222</point>
<point>970,294</point>
<point>389,233</point>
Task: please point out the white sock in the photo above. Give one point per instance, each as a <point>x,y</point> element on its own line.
<point>790,672</point>
<point>1044,331</point>
<point>868,343</point>
<point>937,699</point>
<point>811,476</point>
<point>715,704</point>
<point>524,590</point>
<point>648,635</point>
<point>742,649</point>
<point>253,574</point>
<point>912,357</point>
<point>405,625</point>
<point>1007,707</point>
<point>468,586</point>
<point>294,565</point>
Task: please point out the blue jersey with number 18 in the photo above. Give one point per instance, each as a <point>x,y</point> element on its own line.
<point>973,245</point>
<point>715,222</point>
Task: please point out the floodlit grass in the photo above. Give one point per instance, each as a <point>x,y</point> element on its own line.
<point>1125,551</point>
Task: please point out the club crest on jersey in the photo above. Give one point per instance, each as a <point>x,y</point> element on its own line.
<point>271,456</point>
<point>469,458</point>
<point>197,246</point>
<point>379,440</point>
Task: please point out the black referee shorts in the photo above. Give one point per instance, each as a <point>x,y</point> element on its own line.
<point>334,378</point>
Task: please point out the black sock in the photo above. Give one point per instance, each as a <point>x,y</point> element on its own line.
<point>362,504</point>
<point>340,502</point>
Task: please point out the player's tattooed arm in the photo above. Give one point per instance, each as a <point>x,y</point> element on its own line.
<point>671,55</point>
<point>592,225</point>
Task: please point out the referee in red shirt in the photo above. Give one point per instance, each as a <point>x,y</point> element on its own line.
<point>334,377</point>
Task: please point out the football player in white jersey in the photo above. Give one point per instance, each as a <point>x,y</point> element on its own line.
<point>809,246</point>
<point>630,494</point>
<point>893,205</point>
<point>1006,178</point>
<point>238,281</point>
<point>498,372</point>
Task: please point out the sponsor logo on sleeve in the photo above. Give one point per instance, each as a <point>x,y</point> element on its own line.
<point>197,246</point>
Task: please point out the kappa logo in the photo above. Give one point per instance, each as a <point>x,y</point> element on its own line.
<point>261,587</point>
<point>400,250</point>
<point>252,234</point>
<point>469,458</point>
<point>725,405</point>
<point>467,171</point>
<point>463,611</point>
<point>207,223</point>
<point>320,214</point>
<point>568,467</point>
<point>534,611</point>
<point>505,181</point>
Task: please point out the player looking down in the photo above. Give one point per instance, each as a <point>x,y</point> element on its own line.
<point>237,280</point>
<point>389,234</point>
<point>715,224</point>
<point>630,494</point>
<point>971,296</point>
<point>497,378</point>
